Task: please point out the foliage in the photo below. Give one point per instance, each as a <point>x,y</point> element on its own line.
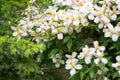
<point>51,35</point>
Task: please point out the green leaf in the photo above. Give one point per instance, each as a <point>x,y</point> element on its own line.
<point>112,47</point>
<point>115,75</point>
<point>91,73</point>
<point>88,78</point>
<point>54,51</point>
<point>69,44</point>
<point>102,66</point>
<point>81,75</point>
<point>66,39</point>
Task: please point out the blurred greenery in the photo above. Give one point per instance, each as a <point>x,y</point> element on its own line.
<point>19,59</point>
<point>22,60</point>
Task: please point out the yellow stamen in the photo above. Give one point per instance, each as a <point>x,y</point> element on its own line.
<point>86,53</point>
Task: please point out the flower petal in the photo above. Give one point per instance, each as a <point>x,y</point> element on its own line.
<point>107,34</point>
<point>118,58</point>
<point>74,54</point>
<point>87,60</point>
<point>57,65</point>
<point>115,64</point>
<point>68,66</point>
<point>104,60</point>
<point>72,72</point>
<point>115,37</point>
<point>95,43</point>
<point>81,56</point>
<point>97,61</point>
<point>78,66</point>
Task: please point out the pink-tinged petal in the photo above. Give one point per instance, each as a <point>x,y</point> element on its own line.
<point>13,28</point>
<point>87,60</point>
<point>74,54</point>
<point>113,17</point>
<point>95,43</point>
<point>92,51</point>
<point>105,61</point>
<point>67,56</point>
<point>115,64</point>
<point>68,66</point>
<point>24,34</point>
<point>97,61</point>
<point>102,48</point>
<point>115,37</point>
<point>15,33</point>
<point>76,22</point>
<point>107,34</point>
<point>78,66</point>
<point>81,56</point>
<point>110,26</point>
<point>72,72</point>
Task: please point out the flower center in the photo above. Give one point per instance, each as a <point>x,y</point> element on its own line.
<point>100,56</point>
<point>86,53</point>
<point>112,31</point>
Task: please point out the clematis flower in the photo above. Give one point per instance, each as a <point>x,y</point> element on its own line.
<point>87,53</point>
<point>71,57</point>
<point>99,58</point>
<point>73,66</point>
<point>97,47</point>
<point>112,32</point>
<point>57,59</point>
<point>18,32</point>
<point>117,64</point>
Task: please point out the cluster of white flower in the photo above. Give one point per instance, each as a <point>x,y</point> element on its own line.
<point>59,22</point>
<point>96,52</point>
<point>117,65</point>
<point>72,63</point>
<point>113,32</point>
<point>57,59</point>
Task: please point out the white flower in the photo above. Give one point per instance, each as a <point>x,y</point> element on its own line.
<point>18,32</point>
<point>117,65</point>
<point>99,72</point>
<point>73,66</point>
<point>84,22</point>
<point>71,57</point>
<point>86,53</point>
<point>99,58</point>
<point>57,59</point>
<point>97,47</point>
<point>112,32</point>
<point>60,36</point>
